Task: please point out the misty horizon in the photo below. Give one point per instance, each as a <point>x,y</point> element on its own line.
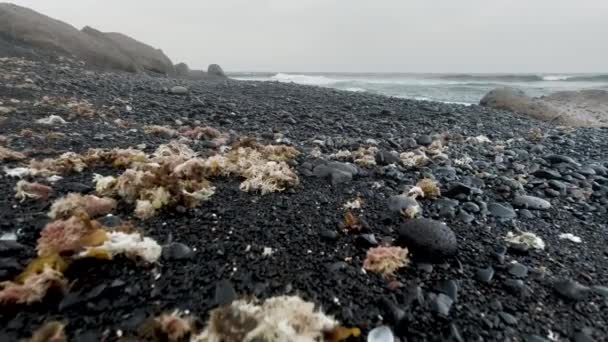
<point>468,37</point>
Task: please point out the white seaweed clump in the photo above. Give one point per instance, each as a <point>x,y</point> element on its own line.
<point>132,245</point>
<point>278,319</point>
<point>527,239</point>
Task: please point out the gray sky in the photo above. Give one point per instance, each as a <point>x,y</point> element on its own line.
<point>358,35</point>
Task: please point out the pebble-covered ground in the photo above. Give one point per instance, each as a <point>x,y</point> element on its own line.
<point>498,173</point>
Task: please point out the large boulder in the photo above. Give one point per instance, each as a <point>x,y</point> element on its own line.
<point>182,70</point>
<point>573,108</point>
<point>215,70</point>
<point>516,100</point>
<point>28,28</point>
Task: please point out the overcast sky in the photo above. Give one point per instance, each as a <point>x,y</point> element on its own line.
<point>358,35</point>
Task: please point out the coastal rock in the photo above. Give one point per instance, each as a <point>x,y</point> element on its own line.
<point>571,289</point>
<point>179,90</point>
<point>182,70</point>
<point>215,70</point>
<point>501,211</point>
<point>106,50</point>
<point>429,238</point>
<point>574,108</point>
<point>531,202</point>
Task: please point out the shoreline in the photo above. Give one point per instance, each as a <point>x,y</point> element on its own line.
<point>486,161</point>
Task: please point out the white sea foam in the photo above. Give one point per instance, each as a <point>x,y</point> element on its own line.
<point>556,78</point>
<point>303,79</point>
<point>355,89</point>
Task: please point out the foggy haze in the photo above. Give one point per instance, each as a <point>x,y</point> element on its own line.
<point>358,35</point>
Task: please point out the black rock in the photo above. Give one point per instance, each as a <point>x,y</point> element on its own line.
<point>77,187</point>
<point>534,338</point>
<point>601,290</point>
<point>429,238</point>
<point>10,246</point>
<point>571,289</point>
<point>339,177</point>
<point>424,140</point>
<point>441,304</point>
<point>328,234</point>
<point>224,293</point>
<point>547,174</point>
<point>400,203</point>
<point>384,157</point>
<point>508,318</point>
<point>531,202</point>
<point>501,211</point>
<point>518,270</point>
<point>410,143</point>
<point>465,217</point>
<point>448,287</point>
<point>424,267</point>
<point>583,336</point>
<point>485,275</point>
<point>110,221</point>
<point>392,312</point>
<point>558,159</point>
<point>367,240</point>
<point>456,189</point>
<point>515,286</point>
<point>177,251</point>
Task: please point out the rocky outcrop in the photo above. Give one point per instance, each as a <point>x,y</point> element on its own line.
<point>147,57</point>
<point>182,70</point>
<point>215,70</point>
<point>585,108</point>
<point>105,50</point>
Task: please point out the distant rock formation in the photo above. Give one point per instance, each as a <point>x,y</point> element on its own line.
<point>585,108</point>
<point>146,56</point>
<point>105,50</point>
<point>215,70</point>
<point>182,70</point>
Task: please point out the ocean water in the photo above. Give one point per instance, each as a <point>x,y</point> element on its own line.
<point>449,88</point>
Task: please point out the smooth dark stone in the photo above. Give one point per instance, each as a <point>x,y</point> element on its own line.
<point>177,251</point>
<point>424,140</point>
<point>224,293</point>
<point>448,287</point>
<point>441,304</point>
<point>547,174</point>
<point>508,318</point>
<point>501,211</point>
<point>485,275</point>
<point>518,270</point>
<point>571,289</point>
<point>429,238</point>
<point>329,234</point>
<point>531,202</point>
<point>367,240</point>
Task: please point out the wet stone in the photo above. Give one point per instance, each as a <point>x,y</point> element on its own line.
<point>518,270</point>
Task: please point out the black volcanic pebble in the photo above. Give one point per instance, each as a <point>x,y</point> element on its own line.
<point>224,293</point>
<point>531,202</point>
<point>177,251</point>
<point>571,289</point>
<point>441,304</point>
<point>485,275</point>
<point>424,140</point>
<point>384,157</point>
<point>448,287</point>
<point>518,270</point>
<point>501,211</point>
<point>429,238</point>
